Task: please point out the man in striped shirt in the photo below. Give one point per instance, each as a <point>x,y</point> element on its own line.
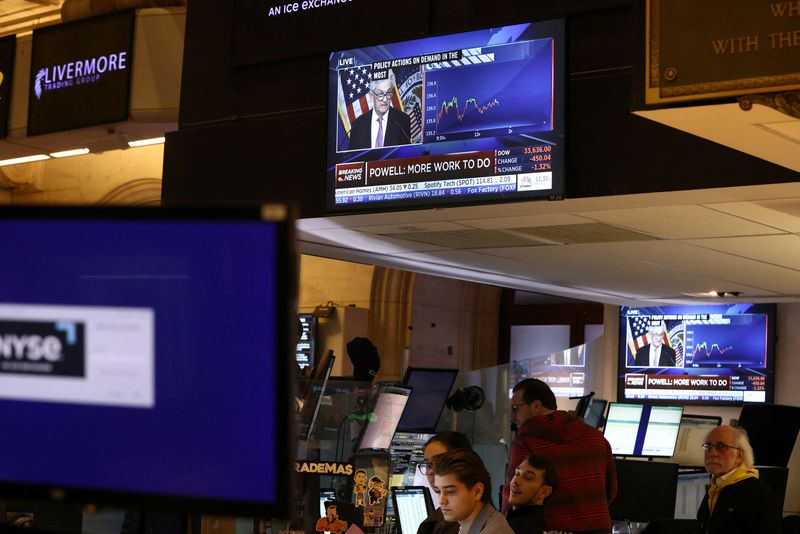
<point>588,477</point>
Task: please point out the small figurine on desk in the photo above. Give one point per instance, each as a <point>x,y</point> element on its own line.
<point>360,487</point>
<point>331,522</point>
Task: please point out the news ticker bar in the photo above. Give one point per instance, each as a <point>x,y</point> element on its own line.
<point>483,163</point>
<point>685,395</point>
<point>482,185</point>
<point>690,382</point>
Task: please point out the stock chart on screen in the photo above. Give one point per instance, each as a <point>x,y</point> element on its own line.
<point>714,354</point>
<point>468,117</point>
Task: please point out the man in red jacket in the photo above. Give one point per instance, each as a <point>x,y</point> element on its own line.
<point>588,477</point>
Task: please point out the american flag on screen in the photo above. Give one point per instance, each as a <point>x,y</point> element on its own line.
<point>354,99</point>
<point>416,120</point>
<point>637,332</point>
<point>353,89</point>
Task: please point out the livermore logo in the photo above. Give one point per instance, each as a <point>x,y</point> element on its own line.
<point>80,72</point>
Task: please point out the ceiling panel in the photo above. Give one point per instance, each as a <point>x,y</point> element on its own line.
<point>736,272</point>
<point>588,266</point>
<point>361,241</point>
<point>680,222</point>
<point>783,250</point>
<point>525,221</point>
<point>783,214</point>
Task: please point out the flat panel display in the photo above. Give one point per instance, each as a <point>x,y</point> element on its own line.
<point>702,354</point>
<point>429,391</point>
<point>642,430</point>
<point>412,504</point>
<point>81,73</point>
<point>306,340</point>
<point>692,435</point>
<point>468,117</point>
<point>151,346</point>
<point>384,418</point>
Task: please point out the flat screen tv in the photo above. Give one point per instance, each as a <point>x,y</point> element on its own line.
<point>468,117</point>
<point>720,354</point>
<point>642,430</point>
<point>145,358</point>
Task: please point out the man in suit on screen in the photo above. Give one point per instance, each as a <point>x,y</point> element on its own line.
<point>656,353</point>
<point>383,125</point>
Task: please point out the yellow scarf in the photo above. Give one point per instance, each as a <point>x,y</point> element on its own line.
<point>716,484</point>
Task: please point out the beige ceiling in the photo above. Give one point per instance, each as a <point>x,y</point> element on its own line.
<point>660,247</point>
<point>17,16</point>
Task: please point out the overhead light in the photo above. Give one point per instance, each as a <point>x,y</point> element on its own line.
<point>24,159</point>
<point>146,142</point>
<point>723,294</point>
<point>68,153</point>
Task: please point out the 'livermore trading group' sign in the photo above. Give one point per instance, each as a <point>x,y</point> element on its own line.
<point>81,73</point>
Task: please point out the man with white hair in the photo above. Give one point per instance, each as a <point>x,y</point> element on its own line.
<point>736,500</point>
<point>656,353</point>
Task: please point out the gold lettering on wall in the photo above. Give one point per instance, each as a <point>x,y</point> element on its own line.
<point>785,9</point>
<point>784,39</point>
<point>736,45</point>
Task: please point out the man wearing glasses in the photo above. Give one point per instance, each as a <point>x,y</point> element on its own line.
<point>588,476</point>
<point>736,500</point>
<point>383,126</point>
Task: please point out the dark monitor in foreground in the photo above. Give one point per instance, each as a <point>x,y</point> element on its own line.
<point>646,491</point>
<point>773,430</point>
<point>430,389</point>
<point>642,430</point>
<point>152,346</point>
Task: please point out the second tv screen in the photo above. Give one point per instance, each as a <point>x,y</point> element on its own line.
<point>469,117</point>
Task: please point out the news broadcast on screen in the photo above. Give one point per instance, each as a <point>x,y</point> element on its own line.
<point>468,117</point>
<point>712,354</point>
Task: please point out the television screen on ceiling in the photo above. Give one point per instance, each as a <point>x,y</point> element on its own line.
<point>81,73</point>
<point>153,347</point>
<point>469,117</point>
<point>700,354</point>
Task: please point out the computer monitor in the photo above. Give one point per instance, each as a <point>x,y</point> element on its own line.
<point>412,504</point>
<point>311,403</point>
<point>595,412</point>
<point>642,430</point>
<point>407,452</point>
<point>772,429</point>
<point>384,417</point>
<point>152,345</point>
<point>429,391</point>
<point>646,491</point>
<point>691,436</point>
<point>305,353</point>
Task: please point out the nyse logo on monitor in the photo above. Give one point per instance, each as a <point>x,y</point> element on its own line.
<point>43,348</point>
